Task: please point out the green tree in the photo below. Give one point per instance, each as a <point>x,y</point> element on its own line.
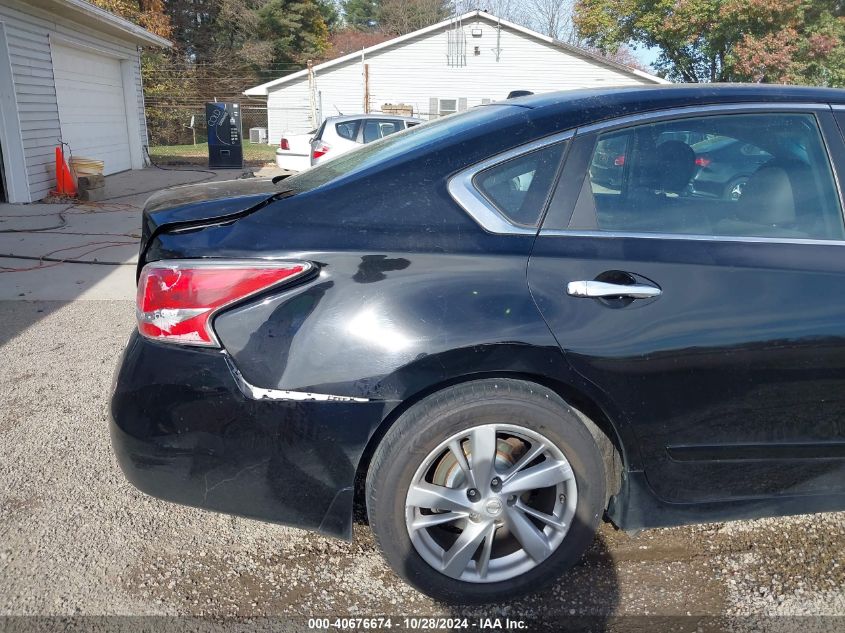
<point>361,14</point>
<point>330,10</point>
<point>796,41</point>
<point>296,30</point>
<point>807,44</point>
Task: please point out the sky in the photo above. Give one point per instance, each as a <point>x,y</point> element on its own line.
<point>647,55</point>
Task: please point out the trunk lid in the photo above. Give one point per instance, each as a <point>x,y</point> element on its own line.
<point>207,203</point>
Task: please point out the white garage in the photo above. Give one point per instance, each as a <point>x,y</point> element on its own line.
<point>69,73</point>
<point>92,110</point>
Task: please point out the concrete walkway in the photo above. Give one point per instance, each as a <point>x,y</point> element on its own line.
<point>95,243</point>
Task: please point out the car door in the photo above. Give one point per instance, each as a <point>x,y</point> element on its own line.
<point>714,328</point>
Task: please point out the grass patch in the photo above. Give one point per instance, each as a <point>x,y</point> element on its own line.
<point>254,154</point>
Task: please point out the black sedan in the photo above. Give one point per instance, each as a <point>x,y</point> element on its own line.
<point>458,331</point>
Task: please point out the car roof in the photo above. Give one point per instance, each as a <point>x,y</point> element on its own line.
<point>642,98</point>
<point>355,117</point>
<point>452,143</point>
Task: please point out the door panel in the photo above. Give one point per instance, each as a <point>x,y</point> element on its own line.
<point>733,378</point>
<point>726,374</point>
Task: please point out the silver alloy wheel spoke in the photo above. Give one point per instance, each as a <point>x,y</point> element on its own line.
<point>548,473</point>
<point>482,441</point>
<point>533,453</point>
<point>431,497</point>
<point>486,550</point>
<point>456,559</point>
<point>548,519</point>
<point>532,540</point>
<point>497,535</point>
<point>430,520</point>
<point>458,452</point>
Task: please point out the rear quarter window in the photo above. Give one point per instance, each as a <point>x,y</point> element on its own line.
<point>394,146</point>
<point>519,187</point>
<point>348,129</point>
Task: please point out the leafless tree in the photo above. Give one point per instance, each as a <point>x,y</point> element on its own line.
<point>554,18</point>
<point>512,10</point>
<point>404,16</point>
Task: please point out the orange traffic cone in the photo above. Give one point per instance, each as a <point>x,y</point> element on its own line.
<point>64,181</point>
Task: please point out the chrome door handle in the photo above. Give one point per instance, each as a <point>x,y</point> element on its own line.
<point>603,289</point>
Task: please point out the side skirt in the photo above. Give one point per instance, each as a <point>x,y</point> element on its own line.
<point>636,507</point>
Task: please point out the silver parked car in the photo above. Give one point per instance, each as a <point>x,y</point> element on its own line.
<point>340,134</point>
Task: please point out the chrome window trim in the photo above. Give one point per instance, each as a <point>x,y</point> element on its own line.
<point>837,106</point>
<point>477,206</point>
<point>636,119</point>
<point>687,237</point>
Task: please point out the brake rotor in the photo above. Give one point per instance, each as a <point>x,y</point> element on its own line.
<point>447,471</point>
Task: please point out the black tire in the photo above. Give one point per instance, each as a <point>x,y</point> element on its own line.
<point>434,419</point>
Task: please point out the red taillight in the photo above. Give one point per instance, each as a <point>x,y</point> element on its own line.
<point>619,161</point>
<point>320,151</point>
<point>701,161</point>
<point>283,144</point>
<point>177,299</point>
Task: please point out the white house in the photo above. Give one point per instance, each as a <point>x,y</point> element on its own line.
<point>69,72</point>
<point>449,66</point>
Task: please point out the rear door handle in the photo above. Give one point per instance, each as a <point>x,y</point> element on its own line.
<point>603,289</point>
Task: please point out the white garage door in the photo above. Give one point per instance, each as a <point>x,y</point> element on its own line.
<point>92,111</point>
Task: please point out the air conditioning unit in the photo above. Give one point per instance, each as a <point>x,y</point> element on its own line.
<point>258,135</point>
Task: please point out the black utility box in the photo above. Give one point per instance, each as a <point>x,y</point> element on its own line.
<point>224,135</point>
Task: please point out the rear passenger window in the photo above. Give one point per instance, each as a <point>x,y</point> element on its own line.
<point>348,129</point>
<point>752,175</point>
<point>374,129</point>
<point>518,188</point>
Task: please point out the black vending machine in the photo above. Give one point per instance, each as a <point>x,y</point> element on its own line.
<point>224,136</point>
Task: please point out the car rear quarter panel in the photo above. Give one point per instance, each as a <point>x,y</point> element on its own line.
<point>386,325</point>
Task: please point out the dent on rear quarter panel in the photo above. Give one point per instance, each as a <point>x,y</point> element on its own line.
<point>383,325</point>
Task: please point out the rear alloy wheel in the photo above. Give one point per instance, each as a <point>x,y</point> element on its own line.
<point>497,478</point>
<point>486,490</point>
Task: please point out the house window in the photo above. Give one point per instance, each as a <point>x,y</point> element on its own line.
<point>447,106</point>
<point>440,106</point>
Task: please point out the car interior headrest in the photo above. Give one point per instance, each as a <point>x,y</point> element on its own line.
<point>768,197</point>
<point>675,162</point>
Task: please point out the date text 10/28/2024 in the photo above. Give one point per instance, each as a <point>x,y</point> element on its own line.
<point>421,623</point>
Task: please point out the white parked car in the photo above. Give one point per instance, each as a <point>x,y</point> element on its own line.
<point>294,151</point>
<point>340,134</point>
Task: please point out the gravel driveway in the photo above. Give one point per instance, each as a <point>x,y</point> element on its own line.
<point>75,538</point>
